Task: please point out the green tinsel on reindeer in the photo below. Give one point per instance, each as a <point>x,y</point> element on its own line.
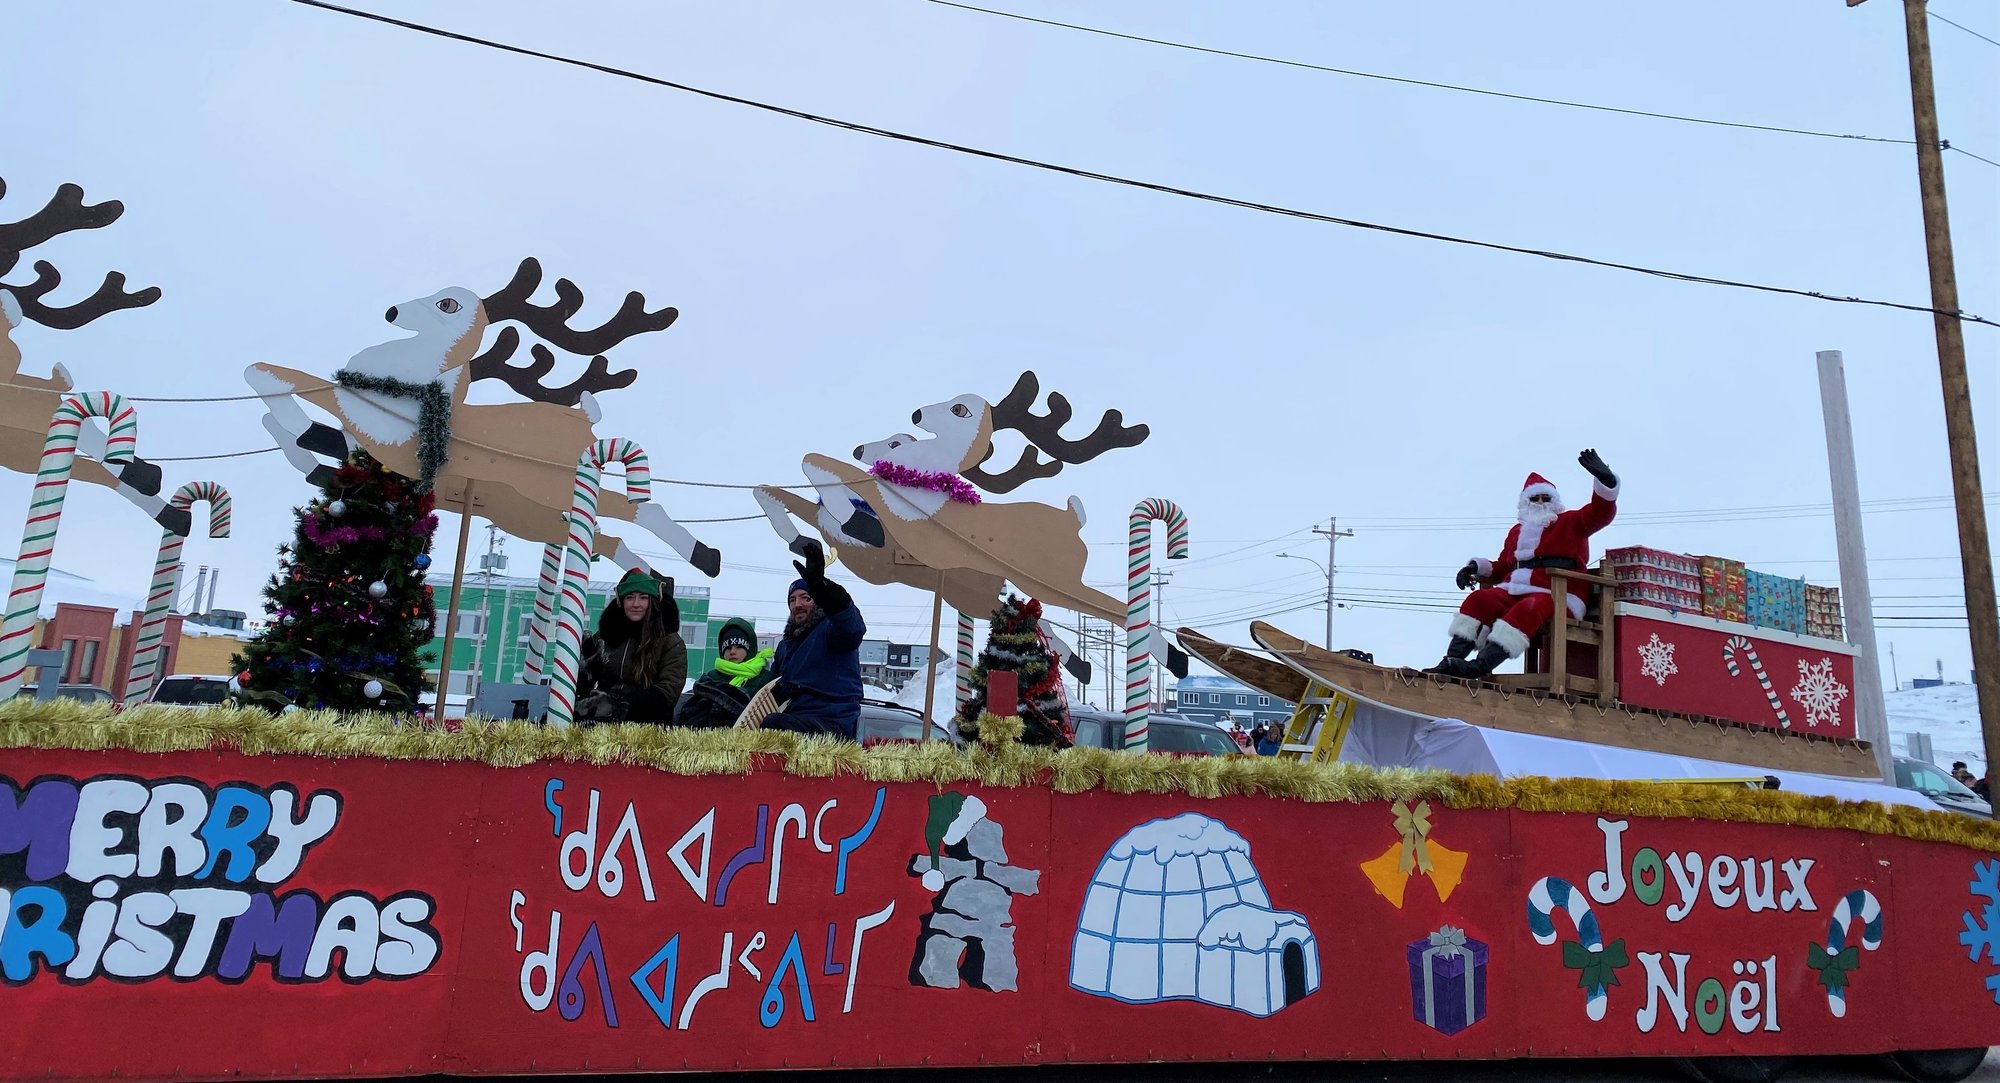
<point>1014,644</point>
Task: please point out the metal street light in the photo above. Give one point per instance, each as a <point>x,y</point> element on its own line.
<point>1328,573</point>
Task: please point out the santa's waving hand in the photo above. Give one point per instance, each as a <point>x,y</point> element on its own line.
<point>1514,599</point>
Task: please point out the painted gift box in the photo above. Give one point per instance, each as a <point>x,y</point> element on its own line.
<point>1447,980</point>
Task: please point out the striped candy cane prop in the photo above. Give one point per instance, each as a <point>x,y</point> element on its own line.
<point>1738,643</point>
<point>1839,958</point>
<point>964,660</point>
<point>149,651</point>
<point>541,623</point>
<point>1588,952</point>
<point>45,502</point>
<point>565,657</point>
<point>1139,606</point>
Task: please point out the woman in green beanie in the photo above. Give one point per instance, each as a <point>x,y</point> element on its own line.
<point>740,670</point>
<point>635,665</point>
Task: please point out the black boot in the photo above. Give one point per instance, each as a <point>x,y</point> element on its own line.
<point>1490,657</point>
<point>1455,654</point>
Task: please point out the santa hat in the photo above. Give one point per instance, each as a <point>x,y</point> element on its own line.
<point>952,814</point>
<point>1537,485</point>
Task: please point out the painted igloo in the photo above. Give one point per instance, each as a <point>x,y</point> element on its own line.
<point>1176,911</point>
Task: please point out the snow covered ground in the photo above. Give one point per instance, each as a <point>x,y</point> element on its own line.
<point>1949,713</point>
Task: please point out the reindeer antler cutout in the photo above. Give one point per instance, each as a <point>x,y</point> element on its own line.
<point>1044,433</point>
<point>65,213</point>
<point>551,322</point>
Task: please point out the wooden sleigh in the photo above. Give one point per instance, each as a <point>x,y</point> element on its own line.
<point>1284,666</point>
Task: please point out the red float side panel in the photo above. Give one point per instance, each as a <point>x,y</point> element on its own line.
<point>1697,665</point>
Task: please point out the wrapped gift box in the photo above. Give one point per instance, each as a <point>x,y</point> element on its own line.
<point>1776,602</point>
<point>1656,577</point>
<point>1447,980</point>
<point>1823,612</point>
<point>1724,590</point>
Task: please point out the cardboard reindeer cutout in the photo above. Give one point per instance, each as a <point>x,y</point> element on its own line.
<point>403,401</point>
<point>913,517</point>
<point>27,402</point>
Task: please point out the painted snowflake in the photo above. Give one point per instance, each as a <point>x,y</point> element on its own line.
<point>1982,934</point>
<point>1819,692</point>
<point>1656,660</point>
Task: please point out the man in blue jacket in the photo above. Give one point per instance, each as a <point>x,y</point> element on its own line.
<point>818,662</point>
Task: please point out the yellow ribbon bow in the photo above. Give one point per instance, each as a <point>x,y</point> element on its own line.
<point>1414,854</point>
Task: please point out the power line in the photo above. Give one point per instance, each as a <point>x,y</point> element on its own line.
<point>1406,81</point>
<point>1960,26</point>
<point>1151,186</point>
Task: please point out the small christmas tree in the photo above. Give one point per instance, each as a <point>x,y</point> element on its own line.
<point>349,608</point>
<point>1014,643</point>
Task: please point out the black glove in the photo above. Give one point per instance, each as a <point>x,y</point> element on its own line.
<point>1468,575</point>
<point>1590,461</point>
<point>830,596</point>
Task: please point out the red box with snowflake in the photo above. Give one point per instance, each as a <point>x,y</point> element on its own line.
<point>1692,664</point>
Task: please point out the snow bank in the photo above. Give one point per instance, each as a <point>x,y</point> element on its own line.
<point>1949,713</point>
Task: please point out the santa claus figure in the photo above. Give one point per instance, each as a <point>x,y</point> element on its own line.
<point>1514,599</point>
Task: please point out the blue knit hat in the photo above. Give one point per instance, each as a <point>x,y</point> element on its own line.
<point>797,585</point>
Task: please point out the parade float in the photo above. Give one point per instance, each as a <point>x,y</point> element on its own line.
<point>345,890</point>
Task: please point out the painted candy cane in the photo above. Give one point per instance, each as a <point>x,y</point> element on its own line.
<point>964,659</point>
<point>1738,643</point>
<point>150,649</point>
<point>565,657</point>
<point>1139,607</point>
<point>45,502</point>
<point>540,624</point>
<point>1834,964</point>
<point>1551,894</point>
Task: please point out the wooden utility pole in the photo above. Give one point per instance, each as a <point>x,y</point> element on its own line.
<point>1974,551</point>
<point>457,583</point>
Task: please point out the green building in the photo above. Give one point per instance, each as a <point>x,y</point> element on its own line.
<point>506,605</point>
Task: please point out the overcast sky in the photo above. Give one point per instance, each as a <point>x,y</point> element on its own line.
<point>289,173</point>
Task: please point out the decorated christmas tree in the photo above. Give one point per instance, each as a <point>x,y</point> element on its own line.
<point>1014,643</point>
<point>348,607</point>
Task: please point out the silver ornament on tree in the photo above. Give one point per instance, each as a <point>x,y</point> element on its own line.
<point>421,625</point>
<point>337,509</point>
<point>373,689</point>
<point>378,589</point>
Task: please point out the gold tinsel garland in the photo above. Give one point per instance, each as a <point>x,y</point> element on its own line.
<point>997,760</point>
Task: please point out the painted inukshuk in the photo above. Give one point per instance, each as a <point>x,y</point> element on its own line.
<point>45,502</point>
<point>150,649</point>
<point>1139,607</point>
<point>543,620</point>
<point>964,659</point>
<point>565,657</point>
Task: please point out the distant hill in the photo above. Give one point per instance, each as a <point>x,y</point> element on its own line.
<point>1949,713</point>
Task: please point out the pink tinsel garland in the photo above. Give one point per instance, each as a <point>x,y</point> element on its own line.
<point>324,536</point>
<point>937,481</point>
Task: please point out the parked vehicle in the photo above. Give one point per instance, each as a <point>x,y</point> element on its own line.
<point>1170,733</point>
<point>194,690</point>
<point>884,721</point>
<point>86,693</point>
<point>1927,779</point>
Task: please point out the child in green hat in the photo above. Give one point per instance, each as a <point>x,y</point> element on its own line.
<point>740,670</point>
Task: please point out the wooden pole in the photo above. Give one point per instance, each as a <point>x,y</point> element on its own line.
<point>1871,713</point>
<point>1974,551</point>
<point>930,662</point>
<point>457,584</point>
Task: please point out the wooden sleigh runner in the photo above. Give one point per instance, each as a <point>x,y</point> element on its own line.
<point>1284,666</point>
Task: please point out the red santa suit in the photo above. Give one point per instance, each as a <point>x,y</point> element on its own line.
<point>1519,602</point>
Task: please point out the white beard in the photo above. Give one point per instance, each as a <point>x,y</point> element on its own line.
<point>1532,514</point>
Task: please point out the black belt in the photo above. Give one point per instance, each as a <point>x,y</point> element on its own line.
<point>1568,564</point>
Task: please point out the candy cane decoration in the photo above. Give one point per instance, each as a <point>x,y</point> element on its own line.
<point>1738,643</point>
<point>150,649</point>
<point>45,502</point>
<point>565,651</point>
<point>540,624</point>
<point>964,659</point>
<point>1551,894</point>
<point>1139,607</point>
<point>1861,904</point>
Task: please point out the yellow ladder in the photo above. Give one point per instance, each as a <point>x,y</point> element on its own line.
<point>1319,724</point>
